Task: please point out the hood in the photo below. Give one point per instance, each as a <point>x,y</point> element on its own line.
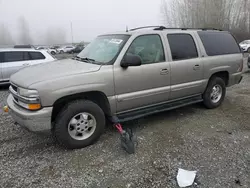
<point>50,71</point>
<point>244,45</point>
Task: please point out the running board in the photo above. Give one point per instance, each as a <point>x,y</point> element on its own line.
<point>156,109</point>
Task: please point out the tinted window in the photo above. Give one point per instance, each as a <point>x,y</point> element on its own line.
<point>182,46</point>
<point>1,56</point>
<point>23,46</point>
<point>26,56</point>
<point>149,48</point>
<point>218,43</point>
<point>15,56</point>
<point>36,55</point>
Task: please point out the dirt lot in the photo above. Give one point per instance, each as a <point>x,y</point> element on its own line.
<point>216,143</point>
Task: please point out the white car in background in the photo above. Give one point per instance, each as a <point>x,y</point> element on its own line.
<point>65,49</point>
<point>13,59</point>
<point>245,46</point>
<point>50,50</point>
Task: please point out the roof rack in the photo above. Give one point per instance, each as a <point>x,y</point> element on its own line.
<point>204,29</point>
<point>145,27</point>
<point>163,27</point>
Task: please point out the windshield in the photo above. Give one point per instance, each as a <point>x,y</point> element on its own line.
<point>104,49</point>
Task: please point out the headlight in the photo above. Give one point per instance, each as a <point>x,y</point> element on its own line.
<point>27,92</point>
<point>28,99</point>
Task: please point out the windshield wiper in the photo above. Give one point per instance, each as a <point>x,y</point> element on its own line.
<point>87,59</point>
<point>76,58</point>
<point>84,59</point>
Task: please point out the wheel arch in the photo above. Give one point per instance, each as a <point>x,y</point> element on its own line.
<point>221,74</point>
<point>95,96</point>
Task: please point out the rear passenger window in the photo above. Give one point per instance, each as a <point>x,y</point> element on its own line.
<point>36,55</point>
<point>182,46</point>
<point>13,56</point>
<point>218,43</point>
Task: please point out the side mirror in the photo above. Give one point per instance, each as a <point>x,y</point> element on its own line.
<point>131,60</point>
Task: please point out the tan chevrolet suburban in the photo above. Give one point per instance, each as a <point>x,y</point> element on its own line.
<point>123,76</point>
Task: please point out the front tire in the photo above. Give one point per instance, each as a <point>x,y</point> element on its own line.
<point>79,124</point>
<point>214,93</point>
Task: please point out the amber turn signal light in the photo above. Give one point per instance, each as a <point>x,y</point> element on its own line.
<point>6,109</point>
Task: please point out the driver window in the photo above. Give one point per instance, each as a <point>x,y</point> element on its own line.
<point>149,48</point>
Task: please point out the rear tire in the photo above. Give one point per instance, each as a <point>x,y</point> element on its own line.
<point>69,130</point>
<point>214,93</point>
<point>248,50</point>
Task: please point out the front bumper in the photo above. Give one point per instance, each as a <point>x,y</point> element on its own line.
<point>235,79</point>
<point>35,121</point>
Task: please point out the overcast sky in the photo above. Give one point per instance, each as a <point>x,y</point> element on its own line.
<point>89,17</point>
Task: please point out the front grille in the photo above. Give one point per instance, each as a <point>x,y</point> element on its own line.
<point>18,98</point>
<point>14,87</point>
<point>15,99</point>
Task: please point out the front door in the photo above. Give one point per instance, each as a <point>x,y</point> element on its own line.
<point>147,84</point>
<point>186,66</point>
<point>13,61</point>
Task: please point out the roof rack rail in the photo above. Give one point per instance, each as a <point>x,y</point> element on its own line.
<point>186,28</point>
<point>145,27</point>
<point>181,28</point>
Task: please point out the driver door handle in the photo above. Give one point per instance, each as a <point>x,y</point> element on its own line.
<point>164,71</point>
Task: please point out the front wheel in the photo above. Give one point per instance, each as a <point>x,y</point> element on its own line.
<point>215,93</point>
<point>79,124</point>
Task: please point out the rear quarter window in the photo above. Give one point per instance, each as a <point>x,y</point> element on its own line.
<point>218,43</point>
<point>36,55</point>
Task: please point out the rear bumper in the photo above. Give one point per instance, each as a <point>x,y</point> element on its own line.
<point>235,79</point>
<point>37,121</point>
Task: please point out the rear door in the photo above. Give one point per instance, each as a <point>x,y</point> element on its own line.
<point>186,66</point>
<point>13,61</point>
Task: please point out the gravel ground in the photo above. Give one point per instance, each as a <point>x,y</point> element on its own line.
<point>213,142</point>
